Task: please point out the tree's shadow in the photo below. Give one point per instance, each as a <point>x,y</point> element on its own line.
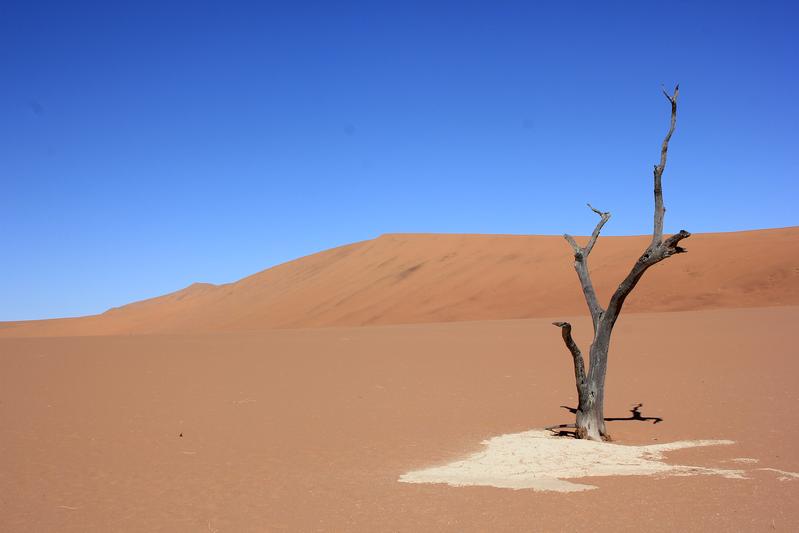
<point>635,415</point>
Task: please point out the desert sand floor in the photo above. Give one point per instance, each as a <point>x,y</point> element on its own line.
<point>309,430</point>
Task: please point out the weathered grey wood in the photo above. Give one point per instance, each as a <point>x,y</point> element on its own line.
<point>649,258</point>
<point>581,265</point>
<point>590,421</point>
<point>660,210</point>
<point>579,364</point>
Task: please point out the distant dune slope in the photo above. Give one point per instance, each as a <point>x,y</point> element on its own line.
<point>399,278</point>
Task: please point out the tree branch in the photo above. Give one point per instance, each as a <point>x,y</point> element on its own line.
<point>658,249</point>
<point>604,216</point>
<point>576,247</point>
<point>670,245</point>
<point>579,364</point>
<point>660,210</point>
<point>649,258</point>
<point>581,264</point>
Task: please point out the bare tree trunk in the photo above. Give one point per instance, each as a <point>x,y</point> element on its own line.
<point>590,423</point>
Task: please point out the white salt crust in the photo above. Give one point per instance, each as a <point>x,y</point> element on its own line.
<point>539,460</point>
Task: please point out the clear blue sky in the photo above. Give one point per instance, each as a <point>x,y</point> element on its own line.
<point>146,146</point>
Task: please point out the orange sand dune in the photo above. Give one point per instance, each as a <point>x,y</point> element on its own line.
<point>439,278</point>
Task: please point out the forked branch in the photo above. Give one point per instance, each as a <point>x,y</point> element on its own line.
<point>581,264</point>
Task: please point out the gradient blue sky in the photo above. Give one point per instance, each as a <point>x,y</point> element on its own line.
<point>145,146</point>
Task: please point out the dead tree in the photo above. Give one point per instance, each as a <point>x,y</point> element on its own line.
<point>590,423</point>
